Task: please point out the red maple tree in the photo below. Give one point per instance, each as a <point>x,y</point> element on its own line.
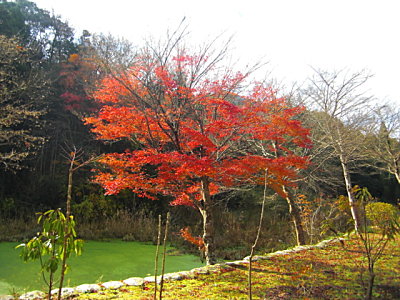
<point>195,131</point>
<point>76,76</point>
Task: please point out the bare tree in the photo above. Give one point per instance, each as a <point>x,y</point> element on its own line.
<point>340,120</point>
<point>384,145</point>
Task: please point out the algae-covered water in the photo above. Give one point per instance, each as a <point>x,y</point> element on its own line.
<point>100,261</point>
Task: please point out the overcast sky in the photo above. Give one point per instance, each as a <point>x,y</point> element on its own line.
<point>292,35</point>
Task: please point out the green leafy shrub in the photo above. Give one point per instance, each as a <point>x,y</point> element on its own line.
<point>58,237</point>
<point>384,217</point>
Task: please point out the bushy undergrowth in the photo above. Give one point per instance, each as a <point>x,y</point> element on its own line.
<point>234,235</point>
<point>238,232</point>
<point>235,228</point>
<point>18,229</point>
<point>124,225</point>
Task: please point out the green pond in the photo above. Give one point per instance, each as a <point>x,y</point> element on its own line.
<point>100,262</point>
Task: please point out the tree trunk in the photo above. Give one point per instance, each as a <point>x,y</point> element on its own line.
<point>370,285</point>
<point>397,175</point>
<point>206,210</point>
<point>296,218</point>
<point>355,213</point>
<point>253,247</point>
<point>156,258</point>
<point>163,256</point>
<point>66,228</point>
<point>69,193</point>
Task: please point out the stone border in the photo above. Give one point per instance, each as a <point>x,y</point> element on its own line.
<point>139,281</point>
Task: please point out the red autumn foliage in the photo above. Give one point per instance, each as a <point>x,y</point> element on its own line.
<point>187,236</point>
<point>195,134</point>
<point>187,132</point>
<point>75,75</point>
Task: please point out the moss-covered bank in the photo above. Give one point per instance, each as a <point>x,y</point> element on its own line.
<point>330,272</point>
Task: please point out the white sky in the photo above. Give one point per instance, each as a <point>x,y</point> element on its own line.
<point>292,35</point>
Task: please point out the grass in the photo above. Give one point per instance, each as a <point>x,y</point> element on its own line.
<point>332,272</point>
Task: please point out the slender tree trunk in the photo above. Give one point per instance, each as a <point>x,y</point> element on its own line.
<point>296,218</point>
<point>397,175</point>
<point>51,277</point>
<point>69,192</point>
<point>67,219</point>
<point>253,247</point>
<point>164,255</point>
<point>293,211</point>
<point>156,257</point>
<point>50,285</point>
<point>206,210</point>
<point>352,200</point>
<point>370,284</point>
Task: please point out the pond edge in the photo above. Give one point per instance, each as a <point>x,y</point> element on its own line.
<point>175,276</point>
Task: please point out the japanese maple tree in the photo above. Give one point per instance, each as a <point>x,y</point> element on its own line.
<point>194,125</point>
<point>77,76</point>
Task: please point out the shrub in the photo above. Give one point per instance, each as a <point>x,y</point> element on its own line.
<point>384,217</point>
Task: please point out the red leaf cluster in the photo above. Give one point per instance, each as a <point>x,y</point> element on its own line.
<point>75,75</point>
<point>187,236</point>
<point>188,127</point>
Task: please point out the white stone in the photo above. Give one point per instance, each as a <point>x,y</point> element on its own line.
<point>242,262</point>
<point>134,281</point>
<point>64,291</point>
<point>283,252</point>
<point>114,285</point>
<point>215,268</point>
<point>257,257</point>
<point>202,270</point>
<point>173,276</point>
<point>152,279</point>
<point>301,248</point>
<point>186,274</point>
<point>88,288</point>
<point>32,295</point>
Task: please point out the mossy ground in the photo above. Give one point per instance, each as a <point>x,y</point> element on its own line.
<point>332,272</point>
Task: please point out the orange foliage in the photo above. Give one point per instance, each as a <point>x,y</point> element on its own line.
<point>73,58</point>
<point>306,206</point>
<point>187,236</point>
<point>75,74</point>
<point>188,130</point>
